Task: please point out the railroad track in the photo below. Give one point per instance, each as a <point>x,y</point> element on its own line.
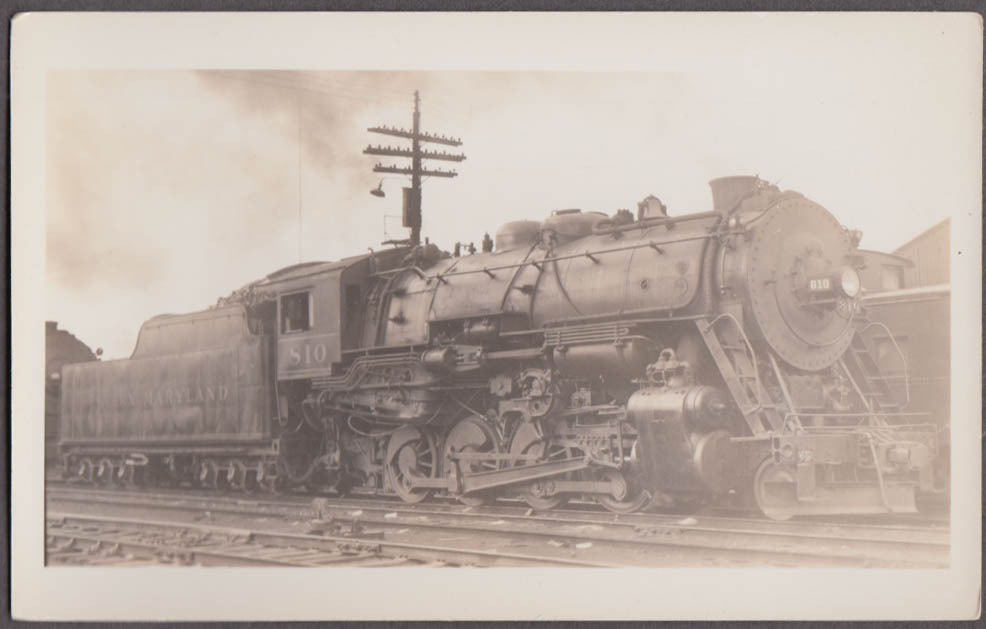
<point>101,540</point>
<point>938,519</point>
<point>571,535</point>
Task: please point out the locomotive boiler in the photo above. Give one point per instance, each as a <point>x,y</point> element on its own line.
<point>636,361</point>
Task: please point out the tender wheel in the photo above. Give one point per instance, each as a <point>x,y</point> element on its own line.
<point>135,475</point>
<point>236,475</point>
<point>251,484</point>
<point>208,474</point>
<point>528,441</point>
<point>267,478</point>
<point>173,472</point>
<point>417,458</point>
<point>775,490</point>
<point>472,435</point>
<point>625,496</point>
<point>123,475</point>
<point>271,484</point>
<point>105,472</point>
<point>221,480</point>
<point>85,471</point>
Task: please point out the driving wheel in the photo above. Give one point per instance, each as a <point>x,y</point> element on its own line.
<point>529,441</point>
<point>471,436</point>
<point>416,458</point>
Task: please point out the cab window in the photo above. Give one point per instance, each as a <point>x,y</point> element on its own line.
<point>295,313</point>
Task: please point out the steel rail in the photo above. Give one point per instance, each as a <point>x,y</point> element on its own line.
<point>231,556</point>
<point>240,548</point>
<point>588,515</point>
<point>688,538</point>
<point>786,529</point>
<point>419,552</point>
<point>240,507</point>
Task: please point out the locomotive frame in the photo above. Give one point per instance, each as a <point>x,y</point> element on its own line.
<point>654,362</point>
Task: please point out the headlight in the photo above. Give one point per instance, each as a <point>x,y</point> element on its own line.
<point>849,282</point>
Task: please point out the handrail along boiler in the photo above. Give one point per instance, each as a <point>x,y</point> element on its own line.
<point>655,361</point>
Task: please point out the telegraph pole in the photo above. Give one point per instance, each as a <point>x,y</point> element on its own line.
<point>414,222</point>
<point>412,195</point>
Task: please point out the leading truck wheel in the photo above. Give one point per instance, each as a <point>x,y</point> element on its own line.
<point>774,488</point>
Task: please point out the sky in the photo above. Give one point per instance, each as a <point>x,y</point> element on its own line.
<point>167,189</point>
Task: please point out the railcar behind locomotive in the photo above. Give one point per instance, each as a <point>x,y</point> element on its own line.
<point>61,348</point>
<point>918,375</point>
<point>656,360</point>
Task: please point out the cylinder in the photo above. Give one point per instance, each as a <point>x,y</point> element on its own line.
<point>700,408</point>
<point>682,442</point>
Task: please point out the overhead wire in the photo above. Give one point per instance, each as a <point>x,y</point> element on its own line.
<point>326,87</point>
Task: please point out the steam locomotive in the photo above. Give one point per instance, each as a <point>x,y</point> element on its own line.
<point>638,361</point>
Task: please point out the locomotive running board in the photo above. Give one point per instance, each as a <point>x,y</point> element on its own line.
<point>464,484</point>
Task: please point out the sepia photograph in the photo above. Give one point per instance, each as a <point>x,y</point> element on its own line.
<point>673,315</point>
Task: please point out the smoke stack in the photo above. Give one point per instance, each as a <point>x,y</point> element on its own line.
<point>728,192</point>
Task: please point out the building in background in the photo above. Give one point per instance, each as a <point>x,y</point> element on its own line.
<point>929,252</point>
<point>883,271</point>
<point>61,348</point>
<point>908,292</point>
<point>921,261</point>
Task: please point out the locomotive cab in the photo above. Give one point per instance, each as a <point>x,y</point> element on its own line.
<point>319,310</point>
